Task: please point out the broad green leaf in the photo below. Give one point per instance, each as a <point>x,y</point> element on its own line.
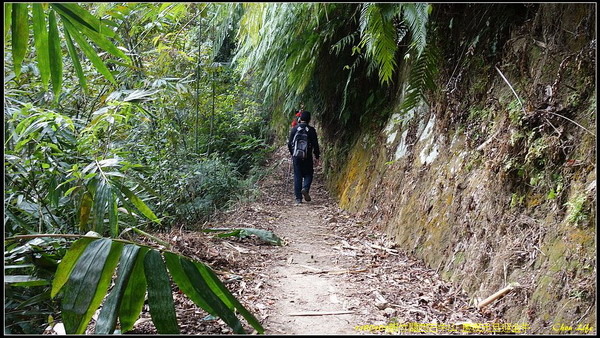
<point>134,294</point>
<point>103,284</point>
<point>20,35</point>
<point>88,51</point>
<point>55,53</point>
<point>160,296</point>
<point>70,190</point>
<point>107,319</point>
<point>83,283</point>
<point>183,282</point>
<point>139,204</point>
<point>216,303</point>
<point>221,290</point>
<point>67,264</point>
<point>76,62</point>
<point>40,35</point>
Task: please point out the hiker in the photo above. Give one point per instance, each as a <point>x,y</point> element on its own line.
<point>302,144</point>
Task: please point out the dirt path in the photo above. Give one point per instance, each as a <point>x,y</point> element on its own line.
<point>335,273</point>
<point>339,266</point>
<point>306,290</point>
<point>308,281</point>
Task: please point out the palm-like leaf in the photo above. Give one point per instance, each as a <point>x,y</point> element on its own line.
<point>83,277</point>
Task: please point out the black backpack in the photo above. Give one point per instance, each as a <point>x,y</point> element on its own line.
<point>300,143</point>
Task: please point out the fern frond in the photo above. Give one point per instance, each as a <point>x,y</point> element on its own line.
<point>415,15</point>
<point>379,37</point>
<point>421,78</point>
<point>343,43</point>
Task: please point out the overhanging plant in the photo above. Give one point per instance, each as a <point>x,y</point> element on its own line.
<point>139,273</point>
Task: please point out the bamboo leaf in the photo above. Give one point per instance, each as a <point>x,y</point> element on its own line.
<point>265,235</point>
<point>185,285</point>
<point>55,54</point>
<point>103,284</point>
<point>40,35</point>
<point>83,282</point>
<point>85,18</point>
<point>139,204</point>
<point>76,62</point>
<point>100,202</point>
<point>107,318</point>
<point>98,36</point>
<point>216,303</point>
<point>160,297</point>
<point>20,35</point>
<point>67,264</point>
<point>134,294</point>
<point>25,280</point>
<point>88,51</point>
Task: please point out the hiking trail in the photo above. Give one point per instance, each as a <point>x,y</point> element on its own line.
<point>335,273</point>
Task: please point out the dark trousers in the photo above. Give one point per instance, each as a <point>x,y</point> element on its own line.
<point>303,176</point>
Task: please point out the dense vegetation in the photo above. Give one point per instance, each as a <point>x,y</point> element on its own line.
<point>133,118</point>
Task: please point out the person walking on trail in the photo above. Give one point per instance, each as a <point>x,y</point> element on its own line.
<point>303,144</point>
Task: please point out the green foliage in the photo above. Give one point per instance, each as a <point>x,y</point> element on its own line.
<point>90,267</point>
<point>81,281</point>
<point>28,272</point>
<point>306,31</point>
<point>515,112</point>
<point>110,159</point>
<point>516,200</point>
<point>77,24</point>
<point>577,211</point>
<point>50,183</point>
<point>200,188</point>
<point>380,36</point>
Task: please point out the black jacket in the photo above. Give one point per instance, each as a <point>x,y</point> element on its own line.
<point>313,142</point>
